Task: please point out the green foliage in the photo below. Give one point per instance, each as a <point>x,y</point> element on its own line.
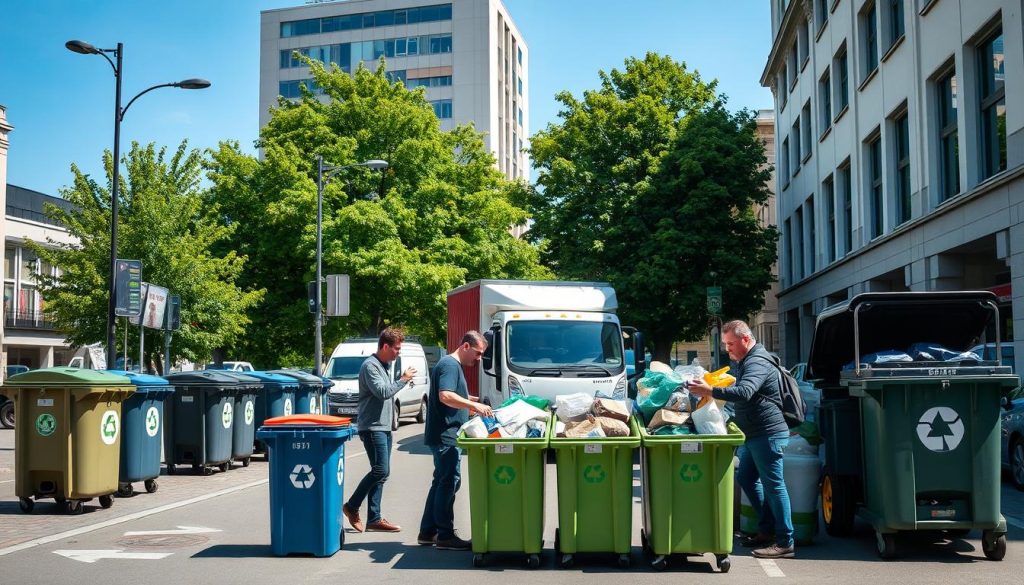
<point>650,183</point>
<point>163,222</point>
<point>436,218</point>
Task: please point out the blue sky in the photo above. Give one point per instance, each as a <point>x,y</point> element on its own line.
<point>61,103</point>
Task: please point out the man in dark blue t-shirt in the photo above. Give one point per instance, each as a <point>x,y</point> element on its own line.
<point>448,408</point>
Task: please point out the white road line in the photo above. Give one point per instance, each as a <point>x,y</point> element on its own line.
<point>7,481</point>
<point>1013,521</point>
<point>128,518</point>
<point>770,568</point>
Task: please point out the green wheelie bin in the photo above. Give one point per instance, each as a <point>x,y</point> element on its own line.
<point>595,495</point>
<point>68,437</point>
<point>688,494</point>
<point>911,445</point>
<point>506,496</point>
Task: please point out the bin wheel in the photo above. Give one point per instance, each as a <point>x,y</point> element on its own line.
<point>624,561</point>
<point>170,469</point>
<point>224,466</point>
<point>341,539</point>
<point>533,561</point>
<point>558,540</point>
<point>107,501</point>
<point>643,540</point>
<point>151,486</point>
<point>125,490</point>
<point>246,461</point>
<point>995,551</point>
<point>204,470</point>
<point>73,507</point>
<point>886,544</point>
<point>26,505</point>
<point>724,563</point>
<point>660,563</point>
<point>837,504</point>
<point>566,561</point>
<point>478,560</point>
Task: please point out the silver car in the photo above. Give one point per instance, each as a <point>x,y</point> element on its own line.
<point>1013,438</point>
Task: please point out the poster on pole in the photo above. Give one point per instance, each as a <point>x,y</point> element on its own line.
<point>153,311</point>
<point>134,319</point>
<point>127,288</point>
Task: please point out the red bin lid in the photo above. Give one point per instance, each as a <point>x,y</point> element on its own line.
<point>321,420</point>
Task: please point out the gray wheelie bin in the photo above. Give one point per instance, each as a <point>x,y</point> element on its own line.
<point>911,445</point>
<point>243,431</point>
<point>199,422</point>
<point>276,399</point>
<point>309,398</point>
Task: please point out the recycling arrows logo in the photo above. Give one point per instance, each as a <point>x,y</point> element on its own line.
<point>109,427</point>
<point>312,406</point>
<point>690,473</point>
<point>228,415</point>
<point>250,412</point>
<point>341,470</point>
<point>152,421</point>
<point>46,424</point>
<point>302,477</point>
<point>594,474</point>
<point>287,406</point>
<point>504,475</point>
<point>940,429</point>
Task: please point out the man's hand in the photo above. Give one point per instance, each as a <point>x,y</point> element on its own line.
<point>408,374</point>
<point>699,387</point>
<point>481,409</point>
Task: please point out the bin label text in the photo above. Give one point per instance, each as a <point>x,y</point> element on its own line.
<point>250,412</point>
<point>504,449</point>
<point>690,473</point>
<point>691,447</point>
<point>152,421</point>
<point>109,426</point>
<point>592,448</point>
<point>504,474</point>
<point>186,399</point>
<point>302,477</point>
<point>940,429</point>
<point>227,415</point>
<point>44,402</point>
<point>46,424</point>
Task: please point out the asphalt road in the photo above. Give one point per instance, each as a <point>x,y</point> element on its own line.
<point>216,530</point>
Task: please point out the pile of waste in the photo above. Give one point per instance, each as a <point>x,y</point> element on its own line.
<point>519,417</point>
<point>586,415</point>
<point>917,352</point>
<point>667,408</point>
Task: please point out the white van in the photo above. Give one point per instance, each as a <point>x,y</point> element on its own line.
<point>343,369</point>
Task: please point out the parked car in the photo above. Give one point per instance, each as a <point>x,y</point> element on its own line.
<point>812,399</point>
<point>233,366</point>
<point>987,351</point>
<point>15,370</point>
<point>1013,437</point>
<point>343,369</point>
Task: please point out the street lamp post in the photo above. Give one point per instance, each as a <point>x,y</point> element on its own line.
<point>323,175</point>
<point>84,48</point>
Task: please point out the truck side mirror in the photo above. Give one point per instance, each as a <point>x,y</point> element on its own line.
<point>639,353</point>
<point>491,358</point>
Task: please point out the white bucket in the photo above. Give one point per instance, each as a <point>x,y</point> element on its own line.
<point>802,473</point>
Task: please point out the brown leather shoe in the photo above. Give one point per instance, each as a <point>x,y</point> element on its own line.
<point>382,525</point>
<point>353,518</point>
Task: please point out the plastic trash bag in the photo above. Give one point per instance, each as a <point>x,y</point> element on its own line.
<point>708,418</point>
<point>474,428</point>
<point>673,430</point>
<point>662,386</point>
<point>616,409</point>
<point>535,401</point>
<point>694,371</point>
<point>570,407</point>
<point>679,401</point>
<point>517,414</point>
<point>809,432</point>
<point>881,357</point>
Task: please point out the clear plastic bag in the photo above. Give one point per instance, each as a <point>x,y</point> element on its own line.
<point>708,418</point>
<point>569,407</point>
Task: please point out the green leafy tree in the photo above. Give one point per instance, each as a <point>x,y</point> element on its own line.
<point>436,218</point>
<point>163,222</point>
<point>648,182</point>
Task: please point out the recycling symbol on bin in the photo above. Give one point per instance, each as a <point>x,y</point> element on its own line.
<point>152,421</point>
<point>250,412</point>
<point>46,424</point>
<point>227,415</point>
<point>341,470</point>
<point>504,475</point>
<point>302,477</point>
<point>287,406</point>
<point>108,427</point>
<point>940,429</point>
<point>690,473</point>
<point>594,474</point>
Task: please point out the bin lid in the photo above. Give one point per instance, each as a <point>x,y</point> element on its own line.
<point>896,320</point>
<point>144,382</point>
<point>304,378</point>
<point>243,378</point>
<point>203,378</point>
<point>328,383</point>
<point>278,379</point>
<point>320,420</point>
<point>67,377</point>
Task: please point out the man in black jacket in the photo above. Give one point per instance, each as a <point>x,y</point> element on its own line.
<point>758,404</point>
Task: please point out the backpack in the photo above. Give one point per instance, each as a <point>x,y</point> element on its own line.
<point>793,408</point>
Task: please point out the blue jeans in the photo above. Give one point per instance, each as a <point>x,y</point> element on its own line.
<point>439,511</point>
<point>760,477</point>
<point>371,487</point>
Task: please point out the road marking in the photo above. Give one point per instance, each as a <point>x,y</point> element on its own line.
<point>1013,521</point>
<point>7,481</point>
<point>91,556</point>
<point>770,568</point>
<point>180,530</point>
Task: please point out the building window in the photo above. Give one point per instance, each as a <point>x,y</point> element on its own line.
<point>820,13</point>
<point>290,89</point>
<point>784,166</point>
<point>440,81</point>
<point>875,193</point>
<point>902,156</point>
<point>520,116</point>
<point>812,236</point>
<point>795,159</point>
<point>846,186</point>
<point>803,44</point>
<point>992,100</point>
<point>442,109</point>
<point>798,244</point>
<point>787,249</point>
<point>869,38</point>
<point>783,95</point>
<point>842,89</point>
<point>805,120</point>
<point>792,65</point>
<point>897,25</point>
<point>828,194</point>
<point>825,101</point>
<point>520,82</point>
<point>313,26</point>
<point>520,56</point>
<point>949,149</point>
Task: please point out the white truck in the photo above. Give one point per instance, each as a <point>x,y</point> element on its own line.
<point>545,338</point>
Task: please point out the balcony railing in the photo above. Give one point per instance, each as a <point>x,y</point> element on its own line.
<point>29,320</point>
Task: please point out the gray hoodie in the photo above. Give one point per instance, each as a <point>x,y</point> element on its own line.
<point>376,390</point>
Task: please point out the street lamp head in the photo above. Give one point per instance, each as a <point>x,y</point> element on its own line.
<point>376,165</point>
<point>81,47</point>
<point>194,83</point>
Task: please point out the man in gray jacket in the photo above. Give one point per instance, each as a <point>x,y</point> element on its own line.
<point>376,390</point>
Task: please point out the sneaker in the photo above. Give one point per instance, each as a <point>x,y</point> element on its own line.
<point>775,551</point>
<point>382,525</point>
<point>757,541</point>
<point>424,539</point>
<point>353,518</point>
<point>453,543</point>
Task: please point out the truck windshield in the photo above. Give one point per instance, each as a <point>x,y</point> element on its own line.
<point>580,348</point>
<point>345,368</point>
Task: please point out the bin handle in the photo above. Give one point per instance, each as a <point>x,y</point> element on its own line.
<point>856,340</point>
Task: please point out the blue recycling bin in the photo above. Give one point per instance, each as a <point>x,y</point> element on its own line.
<point>243,430</point>
<point>309,396</point>
<point>143,416</point>
<point>307,479</point>
<point>276,399</point>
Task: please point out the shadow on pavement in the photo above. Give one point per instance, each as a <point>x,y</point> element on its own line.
<point>413,445</point>
<point>235,551</point>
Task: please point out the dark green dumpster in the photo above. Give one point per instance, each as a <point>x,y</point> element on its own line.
<point>199,423</point>
<point>911,445</point>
